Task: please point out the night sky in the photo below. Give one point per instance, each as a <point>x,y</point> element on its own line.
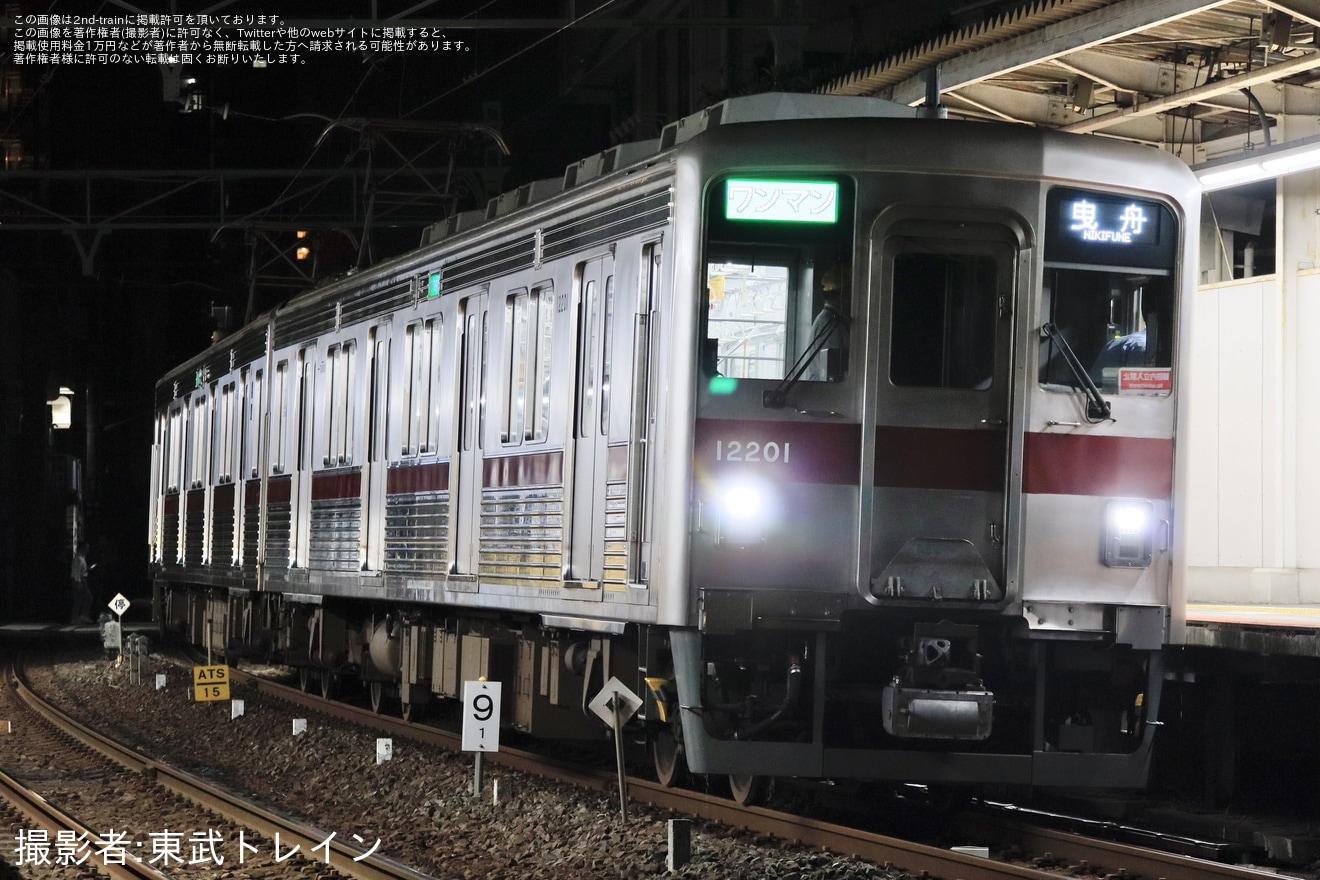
<point>146,303</point>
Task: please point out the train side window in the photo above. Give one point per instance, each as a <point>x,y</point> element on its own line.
<point>278,418</point>
<point>945,307</point>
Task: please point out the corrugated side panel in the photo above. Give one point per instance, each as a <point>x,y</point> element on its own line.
<point>522,536</point>
<point>417,533</point>
<point>336,527</point>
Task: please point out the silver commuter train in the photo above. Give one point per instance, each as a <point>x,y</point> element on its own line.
<point>844,439</point>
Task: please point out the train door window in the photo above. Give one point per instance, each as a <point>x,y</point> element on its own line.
<point>545,297</point>
<point>778,266</point>
<point>222,443</point>
<point>607,356</point>
<point>944,318</point>
<point>473,413</point>
<point>378,344</point>
<point>197,442</point>
<point>341,369</point>
<point>467,409</point>
<point>518,342</point>
<point>306,406</point>
<point>412,378</point>
<point>589,350</point>
<point>421,413</point>
<point>1108,294</point>
<point>174,450</point>
<point>430,428</point>
<point>254,383</point>
<point>528,326</point>
<point>279,394</point>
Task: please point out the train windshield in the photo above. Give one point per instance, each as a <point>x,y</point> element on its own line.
<point>778,273</point>
<point>1109,293</point>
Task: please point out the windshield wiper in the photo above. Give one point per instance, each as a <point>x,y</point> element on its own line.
<point>777,397</point>
<point>1097,408</point>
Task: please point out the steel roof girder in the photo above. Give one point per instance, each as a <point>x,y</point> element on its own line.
<point>1052,41</point>
<point>1052,111</point>
<point>1215,90</point>
<point>1144,77</point>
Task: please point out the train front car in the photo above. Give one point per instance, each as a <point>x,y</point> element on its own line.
<point>935,391</point>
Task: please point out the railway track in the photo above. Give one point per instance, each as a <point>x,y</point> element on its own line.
<point>1020,849</point>
<point>144,782</point>
<point>1043,853</point>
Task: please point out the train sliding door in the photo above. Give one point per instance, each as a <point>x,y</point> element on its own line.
<point>595,304</point>
<point>942,410</point>
<point>474,334</point>
<point>372,536</point>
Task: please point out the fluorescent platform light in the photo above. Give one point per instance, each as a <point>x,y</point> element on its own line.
<point>1261,165</point>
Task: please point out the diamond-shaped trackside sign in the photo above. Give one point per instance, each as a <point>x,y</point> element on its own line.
<point>614,695</point>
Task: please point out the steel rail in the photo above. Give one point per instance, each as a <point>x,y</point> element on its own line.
<point>1076,848</point>
<point>217,800</point>
<point>45,815</point>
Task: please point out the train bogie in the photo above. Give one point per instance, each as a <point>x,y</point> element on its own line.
<point>846,441</point>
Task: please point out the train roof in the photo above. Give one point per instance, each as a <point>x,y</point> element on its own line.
<point>630,165</point>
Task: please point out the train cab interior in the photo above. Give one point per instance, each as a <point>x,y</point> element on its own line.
<point>1109,325</point>
<point>778,287</point>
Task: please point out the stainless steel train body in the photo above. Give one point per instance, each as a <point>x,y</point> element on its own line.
<point>806,423</point>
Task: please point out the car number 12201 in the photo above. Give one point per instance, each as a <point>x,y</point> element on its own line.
<point>751,450</point>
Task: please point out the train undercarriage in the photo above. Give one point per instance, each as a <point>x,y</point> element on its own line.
<point>900,700</point>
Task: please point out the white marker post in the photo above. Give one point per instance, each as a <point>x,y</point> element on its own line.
<point>119,604</point>
<point>481,723</point>
<point>615,704</point>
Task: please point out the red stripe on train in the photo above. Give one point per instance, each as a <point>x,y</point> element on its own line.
<point>279,489</point>
<point>326,487</point>
<point>795,452</point>
<point>411,479</point>
<point>516,471</point>
<point>940,458</point>
<point>1097,464</point>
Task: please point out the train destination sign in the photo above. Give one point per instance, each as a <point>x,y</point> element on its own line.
<point>781,201</point>
<point>1102,221</point>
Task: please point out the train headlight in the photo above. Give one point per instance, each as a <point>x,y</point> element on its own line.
<point>742,502</point>
<point>1129,533</point>
<point>745,509</point>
